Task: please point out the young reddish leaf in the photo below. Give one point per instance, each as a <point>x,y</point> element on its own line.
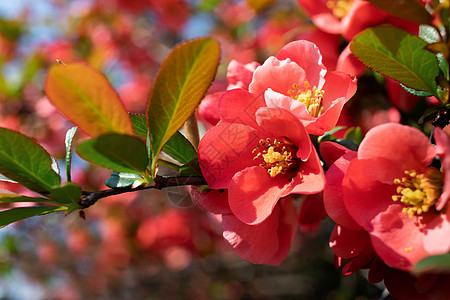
<point>121,153</point>
<point>399,55</point>
<point>86,98</point>
<point>16,214</point>
<point>182,81</point>
<point>26,162</point>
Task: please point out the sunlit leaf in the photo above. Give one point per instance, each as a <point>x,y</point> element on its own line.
<point>86,98</point>
<point>139,125</point>
<point>68,141</point>
<point>399,55</point>
<point>410,10</point>
<point>26,162</point>
<point>433,264</point>
<point>121,153</point>
<point>16,214</point>
<point>181,83</point>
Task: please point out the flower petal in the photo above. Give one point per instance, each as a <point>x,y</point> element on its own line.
<point>307,56</point>
<point>224,150</point>
<point>347,243</point>
<point>253,194</point>
<point>443,150</point>
<point>279,75</point>
<point>332,194</point>
<point>281,123</point>
<point>239,106</point>
<point>310,178</point>
<point>410,143</point>
<point>214,201</point>
<point>240,75</point>
<point>250,242</point>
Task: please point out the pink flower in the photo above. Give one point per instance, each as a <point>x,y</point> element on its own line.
<point>391,192</point>
<point>297,80</point>
<point>239,75</point>
<point>250,241</point>
<point>258,159</point>
<point>352,244</point>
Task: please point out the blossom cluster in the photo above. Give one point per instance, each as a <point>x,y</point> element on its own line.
<point>262,153</point>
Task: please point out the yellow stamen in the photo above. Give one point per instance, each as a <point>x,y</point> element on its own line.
<point>419,192</point>
<point>340,8</point>
<point>278,156</point>
<point>311,98</point>
<point>409,249</point>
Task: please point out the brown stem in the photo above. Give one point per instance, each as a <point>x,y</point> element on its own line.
<point>88,198</point>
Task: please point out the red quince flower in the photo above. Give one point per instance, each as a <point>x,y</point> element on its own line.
<point>391,191</point>
<point>346,17</point>
<point>297,80</point>
<point>259,157</point>
<point>250,241</point>
<point>239,75</point>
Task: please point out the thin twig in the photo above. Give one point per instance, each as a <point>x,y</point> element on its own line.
<point>89,198</point>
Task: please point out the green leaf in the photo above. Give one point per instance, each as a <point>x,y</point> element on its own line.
<point>122,180</point>
<point>179,148</point>
<point>416,93</point>
<point>433,264</point>
<point>10,197</point>
<point>191,169</point>
<point>443,65</point>
<point>68,141</point>
<point>328,136</point>
<point>25,161</point>
<point>410,10</point>
<point>67,193</point>
<point>180,85</point>
<point>121,153</point>
<point>16,214</point>
<point>399,55</point>
<point>85,97</point>
<point>354,135</point>
<point>139,125</point>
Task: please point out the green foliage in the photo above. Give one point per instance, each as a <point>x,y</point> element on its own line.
<point>139,125</point>
<point>68,159</point>
<point>399,55</point>
<point>121,153</point>
<point>26,162</point>
<point>433,264</point>
<point>410,10</point>
<point>182,81</point>
<point>68,193</point>
<point>122,180</point>
<point>16,214</point>
<point>86,97</point>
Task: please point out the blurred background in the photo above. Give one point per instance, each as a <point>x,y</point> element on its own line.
<point>151,244</point>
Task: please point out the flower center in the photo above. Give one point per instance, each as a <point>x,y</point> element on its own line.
<point>311,98</point>
<point>340,8</point>
<point>419,192</point>
<point>278,156</point>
